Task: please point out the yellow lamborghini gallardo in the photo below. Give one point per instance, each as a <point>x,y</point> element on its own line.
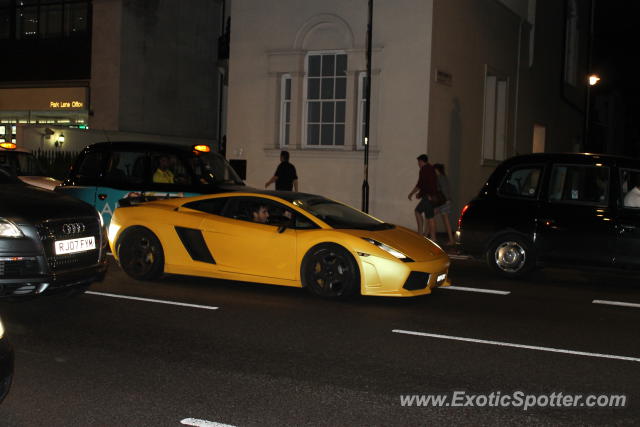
<point>280,238</point>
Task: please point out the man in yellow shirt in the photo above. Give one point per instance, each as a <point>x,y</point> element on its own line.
<point>163,174</point>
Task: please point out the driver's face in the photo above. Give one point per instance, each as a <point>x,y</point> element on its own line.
<point>262,215</point>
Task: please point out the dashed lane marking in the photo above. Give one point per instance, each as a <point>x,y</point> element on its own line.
<point>159,301</point>
<point>484,291</point>
<point>527,347</point>
<point>461,257</point>
<point>202,423</point>
<point>618,303</point>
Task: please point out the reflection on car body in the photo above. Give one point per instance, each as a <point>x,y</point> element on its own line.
<point>33,223</point>
<point>25,166</point>
<point>107,172</point>
<point>299,240</point>
<point>6,363</point>
<point>563,209</point>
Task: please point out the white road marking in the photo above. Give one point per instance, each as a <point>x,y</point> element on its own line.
<point>453,256</point>
<point>159,301</point>
<point>202,423</point>
<point>485,291</point>
<point>621,304</point>
<point>528,347</point>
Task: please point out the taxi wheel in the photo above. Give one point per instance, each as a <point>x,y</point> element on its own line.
<point>140,254</point>
<point>511,256</point>
<point>330,271</point>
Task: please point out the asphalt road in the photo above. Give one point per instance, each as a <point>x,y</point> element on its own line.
<point>251,354</point>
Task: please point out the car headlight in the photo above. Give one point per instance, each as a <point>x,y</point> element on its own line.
<point>1,329</point>
<point>9,229</point>
<point>392,251</point>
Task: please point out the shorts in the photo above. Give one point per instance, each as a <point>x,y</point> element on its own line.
<point>426,207</point>
<point>443,209</point>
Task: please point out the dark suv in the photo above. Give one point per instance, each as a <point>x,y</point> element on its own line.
<point>106,172</point>
<point>565,209</point>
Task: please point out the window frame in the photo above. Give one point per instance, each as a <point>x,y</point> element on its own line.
<point>495,117</point>
<point>305,101</point>
<point>285,139</point>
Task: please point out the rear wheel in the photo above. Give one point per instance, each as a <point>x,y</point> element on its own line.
<point>140,254</point>
<point>330,271</point>
<point>511,256</point>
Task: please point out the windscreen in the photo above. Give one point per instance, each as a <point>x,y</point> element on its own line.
<point>212,168</point>
<point>341,216</point>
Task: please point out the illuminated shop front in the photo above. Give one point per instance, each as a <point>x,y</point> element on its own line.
<point>59,107</point>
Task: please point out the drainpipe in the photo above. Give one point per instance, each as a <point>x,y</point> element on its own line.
<point>517,100</point>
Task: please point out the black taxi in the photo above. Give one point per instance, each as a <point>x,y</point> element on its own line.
<point>573,209</point>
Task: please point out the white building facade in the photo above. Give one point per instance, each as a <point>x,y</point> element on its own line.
<point>468,82</point>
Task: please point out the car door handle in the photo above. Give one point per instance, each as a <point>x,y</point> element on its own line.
<point>102,196</point>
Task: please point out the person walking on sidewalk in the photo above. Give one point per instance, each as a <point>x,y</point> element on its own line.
<point>425,188</point>
<point>286,178</point>
<point>444,210</point>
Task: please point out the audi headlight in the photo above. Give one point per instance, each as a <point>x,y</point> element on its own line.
<point>392,251</point>
<point>9,229</point>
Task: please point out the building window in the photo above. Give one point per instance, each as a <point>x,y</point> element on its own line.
<point>285,110</point>
<point>325,99</point>
<point>495,117</point>
<point>362,109</point>
<point>51,18</point>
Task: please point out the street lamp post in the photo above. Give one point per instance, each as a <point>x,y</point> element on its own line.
<point>592,80</point>
<point>367,114</point>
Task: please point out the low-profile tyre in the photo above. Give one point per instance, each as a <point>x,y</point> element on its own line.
<point>140,254</point>
<point>511,256</point>
<point>330,271</point>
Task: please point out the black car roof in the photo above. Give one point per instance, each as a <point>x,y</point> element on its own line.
<point>570,157</point>
<point>138,145</point>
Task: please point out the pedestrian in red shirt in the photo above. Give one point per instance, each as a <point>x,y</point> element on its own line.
<point>426,187</point>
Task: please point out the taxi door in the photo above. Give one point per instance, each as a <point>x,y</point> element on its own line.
<point>575,221</point>
<point>628,222</point>
<point>84,180</point>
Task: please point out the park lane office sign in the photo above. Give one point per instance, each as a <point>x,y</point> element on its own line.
<point>39,99</point>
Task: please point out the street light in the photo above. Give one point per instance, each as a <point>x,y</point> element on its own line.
<point>592,80</point>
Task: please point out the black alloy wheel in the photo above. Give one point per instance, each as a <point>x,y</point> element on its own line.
<point>140,254</point>
<point>330,271</point>
<point>511,256</point>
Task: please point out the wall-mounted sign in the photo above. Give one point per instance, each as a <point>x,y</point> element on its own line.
<point>44,98</point>
<point>66,104</point>
<point>444,78</point>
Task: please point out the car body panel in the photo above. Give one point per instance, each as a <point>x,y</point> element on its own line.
<point>268,253</point>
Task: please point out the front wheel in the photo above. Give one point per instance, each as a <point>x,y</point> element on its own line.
<point>511,256</point>
<point>330,271</point>
<point>140,254</point>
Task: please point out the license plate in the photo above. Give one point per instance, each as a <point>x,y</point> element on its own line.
<point>73,246</point>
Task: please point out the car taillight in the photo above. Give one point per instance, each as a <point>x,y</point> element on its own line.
<point>462,214</point>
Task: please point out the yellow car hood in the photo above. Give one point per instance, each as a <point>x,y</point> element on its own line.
<point>406,241</point>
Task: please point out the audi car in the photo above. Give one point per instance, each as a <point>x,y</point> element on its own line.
<point>49,242</point>
<point>6,363</point>
<point>281,238</point>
